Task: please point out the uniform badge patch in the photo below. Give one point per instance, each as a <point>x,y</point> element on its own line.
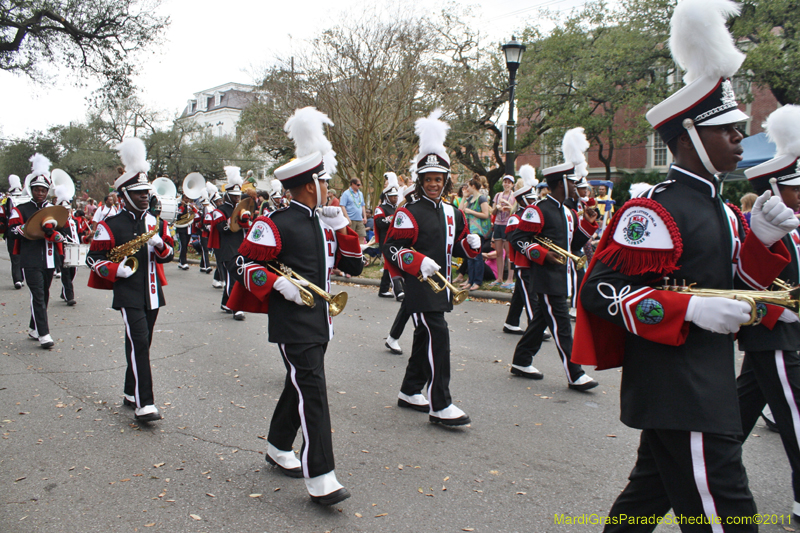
<point>259,278</point>
<point>261,234</point>
<point>408,258</point>
<point>649,311</point>
<point>642,227</point>
<point>403,221</point>
<point>531,215</point>
<point>103,271</point>
<point>535,254</point>
<point>636,230</point>
<point>761,311</point>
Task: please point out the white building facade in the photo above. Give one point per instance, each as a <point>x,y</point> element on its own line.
<point>217,110</point>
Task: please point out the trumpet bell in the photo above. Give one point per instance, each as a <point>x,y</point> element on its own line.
<point>337,303</point>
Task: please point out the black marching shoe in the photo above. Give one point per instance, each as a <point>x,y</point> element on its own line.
<point>71,302</point>
<point>333,498</point>
<point>291,472</point>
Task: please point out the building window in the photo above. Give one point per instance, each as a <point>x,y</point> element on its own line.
<point>217,98</point>
<point>660,152</point>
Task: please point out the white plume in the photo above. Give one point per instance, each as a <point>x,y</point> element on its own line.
<point>40,165</point>
<point>528,175</point>
<point>276,187</point>
<point>62,194</point>
<point>574,145</point>
<point>391,181</point>
<point>700,41</point>
<point>329,162</point>
<point>432,133</point>
<point>211,188</point>
<point>783,128</point>
<point>133,155</point>
<point>582,169</point>
<point>306,127</point>
<point>234,175</point>
<point>637,189</point>
<point>14,182</point>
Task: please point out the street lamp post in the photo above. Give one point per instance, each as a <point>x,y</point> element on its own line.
<point>513,51</point>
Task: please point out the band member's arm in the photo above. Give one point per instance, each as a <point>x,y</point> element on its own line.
<point>16,226</point>
<point>467,245</point>
<point>382,223</point>
<point>400,239</point>
<point>262,244</point>
<point>163,244</point>
<point>523,233</point>
<point>349,258</point>
<point>585,228</point>
<point>103,272</point>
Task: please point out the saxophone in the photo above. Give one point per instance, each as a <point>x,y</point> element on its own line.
<point>127,250</point>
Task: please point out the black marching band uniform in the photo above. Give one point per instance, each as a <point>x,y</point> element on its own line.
<point>303,240</point>
<point>37,257</point>
<point>6,207</point>
<point>402,316</point>
<point>223,240</point>
<point>551,282</point>
<point>424,230</point>
<point>139,296</point>
<point>185,232</point>
<point>770,373</point>
<point>382,217</point>
<point>676,350</point>
<point>71,236</point>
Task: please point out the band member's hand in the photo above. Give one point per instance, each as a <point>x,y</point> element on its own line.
<point>333,216</point>
<point>123,270</point>
<point>156,242</point>
<point>428,268</point>
<point>590,215</point>
<point>19,230</point>
<point>474,241</point>
<point>770,219</point>
<point>718,315</point>
<point>289,290</point>
<point>54,236</point>
<point>551,258</point>
<point>788,317</point>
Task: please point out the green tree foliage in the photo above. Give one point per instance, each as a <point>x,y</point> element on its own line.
<point>769,31</point>
<point>89,38</point>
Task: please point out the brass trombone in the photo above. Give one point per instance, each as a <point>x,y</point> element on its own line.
<point>561,255</point>
<point>336,302</point>
<point>788,299</point>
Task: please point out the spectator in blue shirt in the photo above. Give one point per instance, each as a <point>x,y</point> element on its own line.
<point>353,201</point>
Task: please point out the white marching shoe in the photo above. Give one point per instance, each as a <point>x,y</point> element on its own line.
<point>393,345</point>
<point>46,341</point>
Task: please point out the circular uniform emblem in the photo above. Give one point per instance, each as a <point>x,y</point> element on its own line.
<point>649,311</point>
<point>408,258</point>
<point>761,311</point>
<point>103,271</point>
<point>97,233</point>
<point>399,219</point>
<point>257,234</point>
<point>259,277</point>
<point>636,230</point>
<point>535,254</point>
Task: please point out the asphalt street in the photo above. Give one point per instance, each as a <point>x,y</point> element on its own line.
<point>72,458</point>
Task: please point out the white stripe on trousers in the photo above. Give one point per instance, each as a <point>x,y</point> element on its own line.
<point>430,354</point>
<point>528,306</point>
<point>300,410</point>
<point>780,364</point>
<point>33,316</point>
<point>133,357</point>
<point>701,480</point>
<point>564,358</point>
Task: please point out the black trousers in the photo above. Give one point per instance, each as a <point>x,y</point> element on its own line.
<point>218,272</point>
<point>139,324</point>
<point>694,474</point>
<point>773,378</point>
<point>227,278</point>
<point>304,405</point>
<point>551,312</point>
<point>204,252</point>
<point>522,298</point>
<point>38,281</point>
<point>400,321</point>
<point>184,237</point>
<point>67,286</point>
<point>387,282</point>
<point>430,360</point>
<point>16,267</point>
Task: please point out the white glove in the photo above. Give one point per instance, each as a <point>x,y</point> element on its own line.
<point>788,317</point>
<point>770,219</point>
<point>428,268</point>
<point>123,270</point>
<point>333,216</point>
<point>289,290</point>
<point>156,242</point>
<point>719,315</point>
<point>474,241</point>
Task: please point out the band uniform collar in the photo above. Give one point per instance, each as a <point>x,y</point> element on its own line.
<point>436,203</point>
<point>696,182</point>
<point>559,204</point>
<point>308,211</point>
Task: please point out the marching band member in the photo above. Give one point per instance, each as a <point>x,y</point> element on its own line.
<point>311,242</point>
<point>676,349</point>
<point>550,279</point>
<point>770,372</point>
<point>37,257</point>
<point>138,294</point>
<point>71,235</point>
<point>422,240</point>
<point>223,240</point>
<point>216,200</point>
<point>402,316</point>
<point>383,216</point>
<point>276,196</point>
<point>185,233</point>
<point>200,228</point>
<point>6,207</point>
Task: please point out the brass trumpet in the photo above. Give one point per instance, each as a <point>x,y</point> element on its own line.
<point>459,295</point>
<point>561,255</point>
<point>788,299</point>
<point>337,302</point>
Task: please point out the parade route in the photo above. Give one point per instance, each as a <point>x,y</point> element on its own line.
<point>72,458</point>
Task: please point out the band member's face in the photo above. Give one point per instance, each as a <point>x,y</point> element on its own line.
<point>790,194</point>
<point>572,191</point>
<point>723,145</point>
<point>393,199</point>
<point>39,194</point>
<point>140,199</point>
<point>432,184</point>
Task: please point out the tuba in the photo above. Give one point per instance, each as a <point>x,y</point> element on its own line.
<point>193,185</point>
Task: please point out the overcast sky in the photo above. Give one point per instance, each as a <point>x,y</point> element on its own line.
<point>210,43</point>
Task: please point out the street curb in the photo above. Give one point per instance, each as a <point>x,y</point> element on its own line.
<point>489,295</point>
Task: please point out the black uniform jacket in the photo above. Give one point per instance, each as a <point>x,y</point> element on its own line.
<point>143,289</point>
<point>33,254</point>
<point>675,374</point>
<point>553,220</point>
<point>426,228</point>
<point>771,334</point>
<point>299,239</point>
<point>225,241</point>
<point>383,216</point>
